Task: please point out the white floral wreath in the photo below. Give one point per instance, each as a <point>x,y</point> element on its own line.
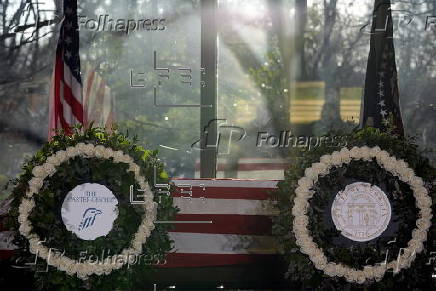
<point>70,266</point>
<point>398,168</point>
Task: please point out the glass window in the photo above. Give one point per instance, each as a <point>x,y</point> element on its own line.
<point>288,73</point>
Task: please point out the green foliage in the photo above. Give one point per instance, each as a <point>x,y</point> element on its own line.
<point>47,221</point>
<point>269,79</point>
<point>301,272</point>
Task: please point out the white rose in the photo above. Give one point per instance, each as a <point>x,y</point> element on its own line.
<point>126,159</point>
<point>89,149</point>
<point>326,159</point>
<point>133,168</point>
<point>34,248</point>
<point>36,182</point>
<point>61,156</point>
<point>146,232</point>
<point>71,152</point>
<point>415,247</point>
<point>382,156</point>
<point>374,151</point>
<point>299,231</point>
<point>297,210</point>
<point>308,244</point>
<point>408,175</point>
<point>81,148</point>
<point>424,202</point>
<point>300,207</point>
<point>62,267</point>
<point>301,220</point>
<point>108,153</point>
<point>99,151</point>
<point>49,169</point>
<point>336,158</point>
<point>319,261</point>
<point>355,276</point>
<point>81,273</point>
<point>53,160</point>
<point>301,191</point>
<point>151,206</point>
<point>70,270</point>
<point>32,190</point>
<point>355,152</point>
<point>305,183</point>
<point>419,235</point>
<point>321,168</point>
<point>26,206</point>
<point>365,153</point>
<point>420,193</point>
<point>330,270</point>
<point>423,224</point>
<point>311,174</point>
<point>379,272</point>
<point>89,269</point>
<point>368,271</point>
<point>150,226</point>
<point>118,156</point>
<point>22,217</point>
<point>361,278</point>
<point>300,200</point>
<point>38,172</point>
<point>417,182</point>
<point>142,184</point>
<point>340,270</point>
<point>99,271</point>
<point>137,245</point>
<point>25,228</point>
<point>54,259</point>
<point>345,155</point>
<point>426,213</point>
<point>402,164</point>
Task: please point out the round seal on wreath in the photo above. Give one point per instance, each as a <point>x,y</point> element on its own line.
<point>89,211</point>
<point>361,212</point>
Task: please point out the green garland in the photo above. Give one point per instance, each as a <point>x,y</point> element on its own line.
<point>301,272</point>
<point>47,222</point>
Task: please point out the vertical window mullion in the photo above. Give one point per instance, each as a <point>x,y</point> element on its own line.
<point>208,128</point>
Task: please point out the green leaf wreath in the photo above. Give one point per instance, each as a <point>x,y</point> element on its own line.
<point>301,272</point>
<point>47,222</point>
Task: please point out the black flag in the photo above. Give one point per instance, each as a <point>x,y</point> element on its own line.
<point>381,106</point>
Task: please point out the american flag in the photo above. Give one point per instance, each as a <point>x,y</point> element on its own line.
<point>66,103</point>
<point>98,98</point>
<point>239,213</point>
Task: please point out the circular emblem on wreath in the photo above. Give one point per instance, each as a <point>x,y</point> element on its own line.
<point>361,212</point>
<point>89,211</point>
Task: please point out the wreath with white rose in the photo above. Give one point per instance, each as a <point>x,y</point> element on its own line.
<point>90,156</point>
<point>319,254</point>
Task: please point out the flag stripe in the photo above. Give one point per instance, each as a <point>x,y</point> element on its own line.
<point>222,192</point>
<point>75,108</point>
<point>225,224</point>
<point>232,183</point>
<point>225,206</point>
<point>175,260</point>
<point>98,99</point>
